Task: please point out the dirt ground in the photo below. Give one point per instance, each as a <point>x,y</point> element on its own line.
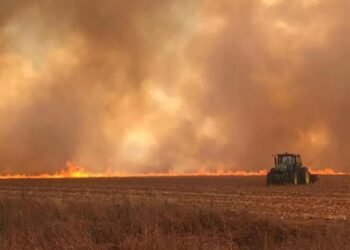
<point>329,199</point>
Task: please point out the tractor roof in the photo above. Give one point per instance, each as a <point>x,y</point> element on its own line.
<point>288,154</point>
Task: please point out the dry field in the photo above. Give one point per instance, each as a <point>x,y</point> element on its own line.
<point>174,213</point>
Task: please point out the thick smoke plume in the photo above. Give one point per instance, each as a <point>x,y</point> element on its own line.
<point>172,86</point>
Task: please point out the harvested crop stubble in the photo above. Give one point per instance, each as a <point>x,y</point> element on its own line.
<point>173,213</point>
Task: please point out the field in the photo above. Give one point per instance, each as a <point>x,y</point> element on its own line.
<point>174,213</point>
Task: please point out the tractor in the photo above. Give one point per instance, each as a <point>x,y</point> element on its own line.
<point>289,169</point>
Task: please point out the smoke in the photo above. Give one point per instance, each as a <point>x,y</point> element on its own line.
<point>276,78</point>
<point>159,86</point>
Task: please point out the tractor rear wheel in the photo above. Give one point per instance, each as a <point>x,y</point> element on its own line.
<point>295,178</point>
<point>304,176</point>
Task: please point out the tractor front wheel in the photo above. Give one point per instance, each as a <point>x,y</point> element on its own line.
<point>269,180</point>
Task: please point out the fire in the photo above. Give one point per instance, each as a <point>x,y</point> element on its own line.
<point>327,171</point>
<point>71,171</point>
<point>76,171</point>
<point>208,173</point>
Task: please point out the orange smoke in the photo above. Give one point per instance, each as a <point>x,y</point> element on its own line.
<point>76,171</point>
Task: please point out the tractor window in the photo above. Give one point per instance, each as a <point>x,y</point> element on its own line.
<point>286,159</point>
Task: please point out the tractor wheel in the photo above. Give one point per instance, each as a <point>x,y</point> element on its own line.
<point>269,180</point>
<point>306,176</point>
<point>295,178</point>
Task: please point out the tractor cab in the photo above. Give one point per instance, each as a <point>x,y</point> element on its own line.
<point>286,160</point>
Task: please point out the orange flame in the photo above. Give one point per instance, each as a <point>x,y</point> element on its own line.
<point>71,171</point>
<point>75,171</point>
<point>327,171</point>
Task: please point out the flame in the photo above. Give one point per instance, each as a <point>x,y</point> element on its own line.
<point>327,171</point>
<point>71,171</point>
<point>76,171</point>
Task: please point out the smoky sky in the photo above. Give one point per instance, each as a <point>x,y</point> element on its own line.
<point>173,86</point>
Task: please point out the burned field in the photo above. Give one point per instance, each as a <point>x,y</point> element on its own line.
<point>174,212</point>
